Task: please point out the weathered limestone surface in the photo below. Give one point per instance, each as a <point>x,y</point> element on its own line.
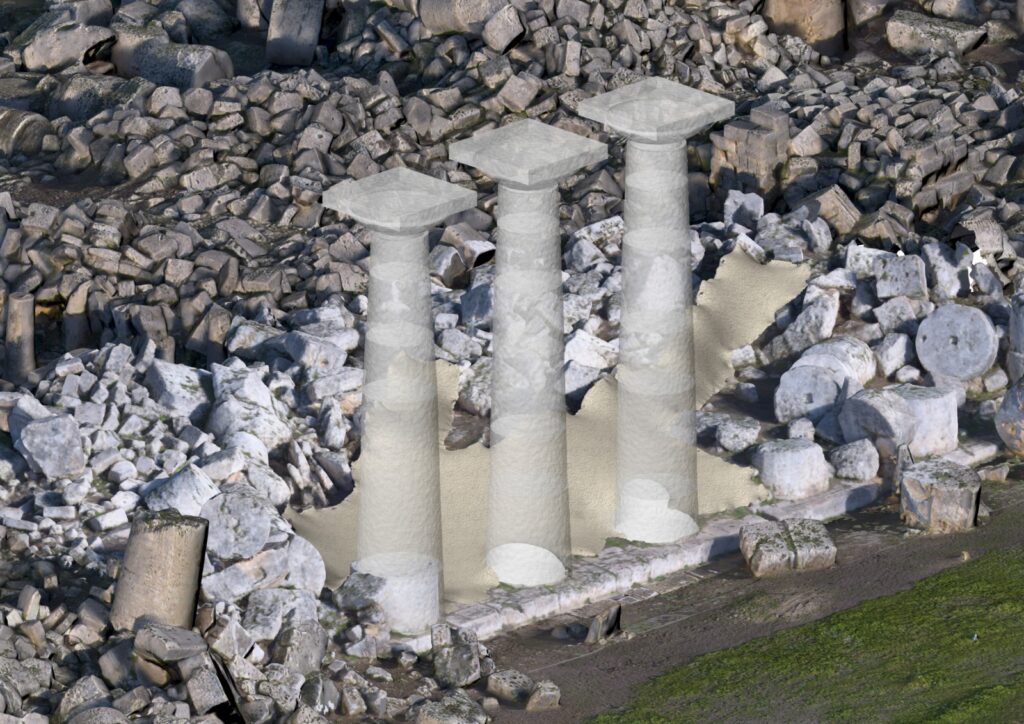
<point>399,537</point>
<point>159,579</point>
<point>294,31</point>
<point>939,496</point>
<point>819,22</point>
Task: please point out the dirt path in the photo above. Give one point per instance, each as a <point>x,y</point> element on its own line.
<point>720,605</point>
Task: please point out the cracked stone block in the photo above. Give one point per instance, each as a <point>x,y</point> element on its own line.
<point>939,496</point>
<point>775,547</point>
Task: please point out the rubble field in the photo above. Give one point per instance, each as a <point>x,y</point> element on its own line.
<point>185,320</point>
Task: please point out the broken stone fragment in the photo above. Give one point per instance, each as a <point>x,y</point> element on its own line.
<point>184,391</point>
<point>915,34</point>
<point>186,491</point>
<point>165,644</point>
<point>52,446</point>
<point>21,132</point>
<point>510,686</point>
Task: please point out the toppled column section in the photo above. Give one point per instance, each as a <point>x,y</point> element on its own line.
<point>147,51</point>
<point>22,132</point>
<point>21,346</point>
<point>775,547</point>
<point>399,536</point>
<point>159,579</point>
<point>657,461</point>
<point>528,521</point>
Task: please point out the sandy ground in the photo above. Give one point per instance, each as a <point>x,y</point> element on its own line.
<point>704,613</point>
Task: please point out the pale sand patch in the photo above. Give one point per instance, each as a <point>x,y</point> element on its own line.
<point>732,310</point>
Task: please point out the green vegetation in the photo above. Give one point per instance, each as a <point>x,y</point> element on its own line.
<point>949,650</point>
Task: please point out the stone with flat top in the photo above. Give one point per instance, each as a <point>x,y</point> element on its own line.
<point>656,110</point>
<point>528,153</point>
<point>398,200</point>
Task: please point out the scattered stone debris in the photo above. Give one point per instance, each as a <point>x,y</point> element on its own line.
<point>184,320</point>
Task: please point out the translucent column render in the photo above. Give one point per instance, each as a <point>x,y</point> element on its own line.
<point>656,471</point>
<point>399,530</point>
<point>528,501</point>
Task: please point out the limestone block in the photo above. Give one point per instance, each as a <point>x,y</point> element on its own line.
<point>792,469</point>
<point>913,34</point>
<point>294,31</point>
<point>855,460</point>
<point>821,23</point>
<point>457,16</point>
<point>776,547</point>
<point>939,496</point>
<point>159,578</point>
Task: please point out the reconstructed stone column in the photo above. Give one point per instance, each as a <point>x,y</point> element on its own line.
<point>528,510</point>
<point>159,578</point>
<point>1015,355</point>
<point>656,474</point>
<point>399,536</point>
<point>21,329</point>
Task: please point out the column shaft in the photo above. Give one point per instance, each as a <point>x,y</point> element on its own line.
<point>656,438</point>
<point>529,498</point>
<point>20,336</point>
<point>400,506</point>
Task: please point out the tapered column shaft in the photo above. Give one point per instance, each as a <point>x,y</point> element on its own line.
<point>399,529</point>
<point>20,337</point>
<point>657,480</point>
<point>529,498</point>
<point>656,437</point>
<point>400,506</point>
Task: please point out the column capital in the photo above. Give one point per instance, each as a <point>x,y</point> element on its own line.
<point>527,154</point>
<point>398,200</point>
<point>656,110</point>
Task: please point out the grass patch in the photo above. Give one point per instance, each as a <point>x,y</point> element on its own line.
<point>951,649</point>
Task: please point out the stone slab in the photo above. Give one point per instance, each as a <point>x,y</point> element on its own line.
<point>527,153</point>
<point>398,200</point>
<point>657,110</point>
